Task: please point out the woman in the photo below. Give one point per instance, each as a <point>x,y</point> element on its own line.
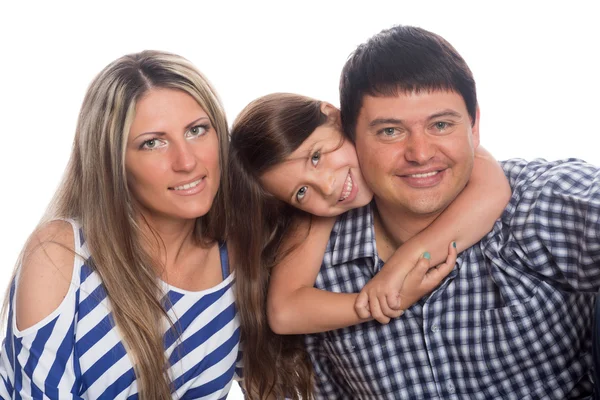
<point>124,289</point>
<point>288,160</point>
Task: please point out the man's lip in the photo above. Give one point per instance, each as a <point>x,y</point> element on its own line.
<point>188,181</point>
<point>423,182</point>
<point>420,172</point>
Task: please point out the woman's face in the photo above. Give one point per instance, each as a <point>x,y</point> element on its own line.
<point>172,156</point>
<point>321,177</point>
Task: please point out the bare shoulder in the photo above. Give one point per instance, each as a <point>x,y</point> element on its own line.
<point>45,272</point>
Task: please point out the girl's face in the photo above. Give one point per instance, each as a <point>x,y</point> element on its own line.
<point>172,156</point>
<point>321,177</point>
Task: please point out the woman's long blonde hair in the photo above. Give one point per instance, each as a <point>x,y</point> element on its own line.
<point>94,191</point>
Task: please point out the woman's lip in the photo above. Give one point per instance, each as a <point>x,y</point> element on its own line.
<point>192,190</point>
<point>198,178</point>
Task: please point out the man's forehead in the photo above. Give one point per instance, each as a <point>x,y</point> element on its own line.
<point>410,104</point>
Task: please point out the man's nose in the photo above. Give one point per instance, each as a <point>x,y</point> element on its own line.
<point>419,148</point>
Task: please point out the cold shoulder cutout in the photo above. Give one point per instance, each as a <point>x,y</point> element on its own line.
<point>75,350</point>
<point>45,275</point>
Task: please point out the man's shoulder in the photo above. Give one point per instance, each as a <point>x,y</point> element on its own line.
<point>545,191</point>
<point>535,174</point>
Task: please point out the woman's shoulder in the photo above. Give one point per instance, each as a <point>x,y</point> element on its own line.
<point>45,272</point>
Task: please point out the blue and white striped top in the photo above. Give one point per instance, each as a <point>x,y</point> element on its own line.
<point>76,352</point>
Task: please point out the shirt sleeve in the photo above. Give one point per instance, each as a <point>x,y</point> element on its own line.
<point>553,219</point>
<point>38,362</point>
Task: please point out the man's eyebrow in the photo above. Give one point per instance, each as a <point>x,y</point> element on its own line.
<point>445,113</point>
<point>384,121</point>
<point>396,121</point>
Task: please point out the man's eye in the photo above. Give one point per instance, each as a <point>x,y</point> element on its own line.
<point>389,131</point>
<point>314,159</point>
<point>301,193</point>
<point>440,126</point>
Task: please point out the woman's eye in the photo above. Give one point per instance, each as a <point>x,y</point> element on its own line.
<point>314,159</point>
<point>197,130</point>
<point>151,144</point>
<point>301,193</point>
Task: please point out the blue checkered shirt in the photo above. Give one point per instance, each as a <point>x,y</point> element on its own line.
<point>511,321</point>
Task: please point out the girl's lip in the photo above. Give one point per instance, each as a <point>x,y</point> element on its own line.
<point>353,192</point>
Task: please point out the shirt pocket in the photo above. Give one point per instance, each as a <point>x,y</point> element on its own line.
<point>527,345</point>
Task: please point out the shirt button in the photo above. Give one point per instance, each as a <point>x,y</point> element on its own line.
<point>435,328</point>
<point>451,388</point>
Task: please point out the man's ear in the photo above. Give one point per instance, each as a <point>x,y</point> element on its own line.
<point>332,113</point>
<point>475,129</point>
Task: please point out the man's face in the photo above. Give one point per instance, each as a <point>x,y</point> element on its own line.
<point>416,150</point>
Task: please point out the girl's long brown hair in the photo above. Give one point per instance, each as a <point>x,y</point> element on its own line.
<point>263,135</point>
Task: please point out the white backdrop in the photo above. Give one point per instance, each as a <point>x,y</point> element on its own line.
<point>535,64</point>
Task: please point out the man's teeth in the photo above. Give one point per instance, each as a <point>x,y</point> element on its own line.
<point>347,188</point>
<point>188,185</point>
<point>426,175</point>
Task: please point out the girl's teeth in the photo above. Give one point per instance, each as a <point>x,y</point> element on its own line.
<point>347,188</point>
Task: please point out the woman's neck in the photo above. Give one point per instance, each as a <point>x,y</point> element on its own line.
<point>168,239</point>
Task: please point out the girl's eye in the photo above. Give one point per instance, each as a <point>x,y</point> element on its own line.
<point>301,193</point>
<point>197,130</point>
<point>314,159</point>
<point>151,144</point>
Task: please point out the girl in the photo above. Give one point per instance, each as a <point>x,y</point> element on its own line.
<point>289,161</point>
<point>124,289</point>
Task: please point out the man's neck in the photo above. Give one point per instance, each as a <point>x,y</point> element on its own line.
<point>394,226</point>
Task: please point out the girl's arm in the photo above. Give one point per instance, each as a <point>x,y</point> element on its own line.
<point>294,306</point>
<point>467,220</point>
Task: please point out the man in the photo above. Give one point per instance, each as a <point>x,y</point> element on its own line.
<point>513,319</point>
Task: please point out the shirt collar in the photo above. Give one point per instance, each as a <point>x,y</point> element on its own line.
<point>353,236</point>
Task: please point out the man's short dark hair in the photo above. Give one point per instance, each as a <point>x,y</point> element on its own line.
<point>402,59</point>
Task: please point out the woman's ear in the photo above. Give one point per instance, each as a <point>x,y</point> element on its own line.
<point>332,113</point>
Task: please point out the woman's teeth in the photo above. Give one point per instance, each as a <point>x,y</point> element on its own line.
<point>188,185</point>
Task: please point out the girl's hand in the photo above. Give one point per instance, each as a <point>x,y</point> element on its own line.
<point>393,290</point>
